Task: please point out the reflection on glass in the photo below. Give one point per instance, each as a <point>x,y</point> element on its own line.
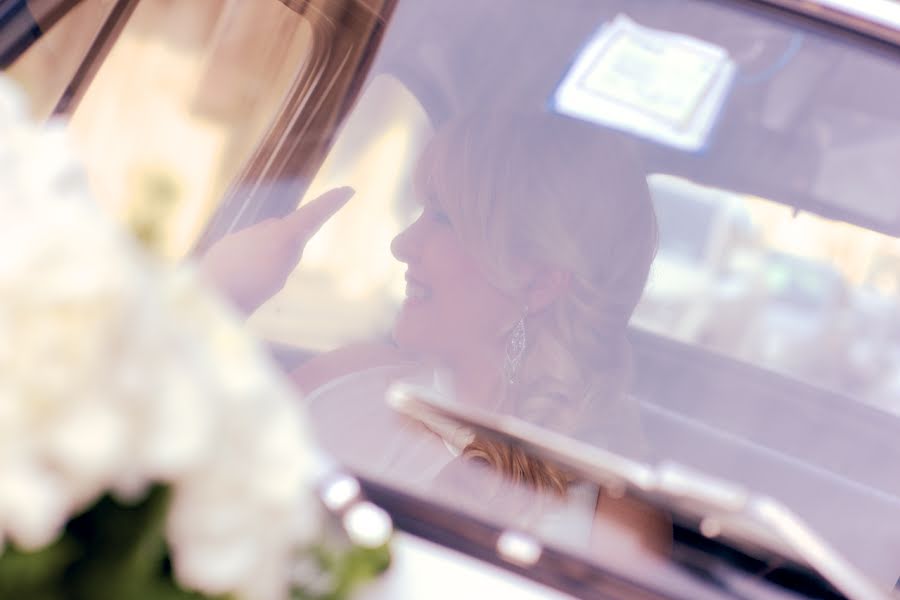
<point>797,293</point>
<point>349,286</point>
<point>48,66</point>
<point>779,295</point>
<point>181,101</point>
<point>532,245</point>
<point>662,85</point>
<point>764,332</point>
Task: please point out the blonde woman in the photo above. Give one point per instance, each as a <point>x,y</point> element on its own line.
<point>530,253</point>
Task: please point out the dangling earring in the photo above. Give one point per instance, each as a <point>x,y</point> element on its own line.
<point>515,350</point>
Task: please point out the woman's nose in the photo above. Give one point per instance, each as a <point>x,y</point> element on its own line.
<point>404,245</point>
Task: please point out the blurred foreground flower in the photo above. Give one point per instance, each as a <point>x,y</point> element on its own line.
<point>146,445</point>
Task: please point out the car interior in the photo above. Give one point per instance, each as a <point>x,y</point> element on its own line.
<point>805,97</point>
<point>810,122</point>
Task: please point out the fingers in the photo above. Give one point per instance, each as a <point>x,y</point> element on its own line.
<point>306,220</point>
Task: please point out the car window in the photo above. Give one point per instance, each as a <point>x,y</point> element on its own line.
<point>176,107</point>
<point>348,272</point>
<point>49,64</point>
<point>667,230</point>
<point>772,187</point>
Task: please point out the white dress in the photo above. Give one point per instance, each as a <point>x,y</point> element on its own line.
<point>354,423</point>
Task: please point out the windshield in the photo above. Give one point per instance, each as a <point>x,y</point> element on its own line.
<point>667,229</point>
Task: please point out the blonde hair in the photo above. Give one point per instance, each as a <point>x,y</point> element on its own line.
<point>550,191</point>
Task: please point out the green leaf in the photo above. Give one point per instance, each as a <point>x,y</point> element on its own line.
<point>113,550</point>
<point>36,575</point>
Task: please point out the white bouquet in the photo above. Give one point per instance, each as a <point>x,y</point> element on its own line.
<point>140,428</point>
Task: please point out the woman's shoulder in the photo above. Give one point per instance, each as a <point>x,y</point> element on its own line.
<point>352,359</point>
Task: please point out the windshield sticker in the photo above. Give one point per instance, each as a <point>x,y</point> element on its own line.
<point>657,84</point>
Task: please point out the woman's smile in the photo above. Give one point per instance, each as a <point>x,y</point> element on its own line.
<point>416,291</point>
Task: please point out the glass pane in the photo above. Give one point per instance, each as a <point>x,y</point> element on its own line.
<point>532,143</point>
<point>47,66</point>
<point>809,297</point>
<point>348,286</point>
<point>664,229</point>
<point>181,101</point>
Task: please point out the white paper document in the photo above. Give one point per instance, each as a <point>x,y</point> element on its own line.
<point>657,84</point>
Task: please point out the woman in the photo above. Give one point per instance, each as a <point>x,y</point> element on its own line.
<point>532,249</point>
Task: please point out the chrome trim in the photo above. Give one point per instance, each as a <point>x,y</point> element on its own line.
<point>727,507</point>
<point>96,55</point>
<point>884,12</point>
<point>878,19</point>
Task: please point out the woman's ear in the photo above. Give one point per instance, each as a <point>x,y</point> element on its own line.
<point>546,287</point>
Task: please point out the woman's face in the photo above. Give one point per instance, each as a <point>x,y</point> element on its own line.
<point>452,312</point>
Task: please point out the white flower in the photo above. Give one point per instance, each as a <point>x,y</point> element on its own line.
<point>33,504</point>
<point>116,373</point>
<point>87,446</point>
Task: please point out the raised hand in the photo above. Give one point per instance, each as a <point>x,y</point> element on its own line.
<point>251,265</point>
